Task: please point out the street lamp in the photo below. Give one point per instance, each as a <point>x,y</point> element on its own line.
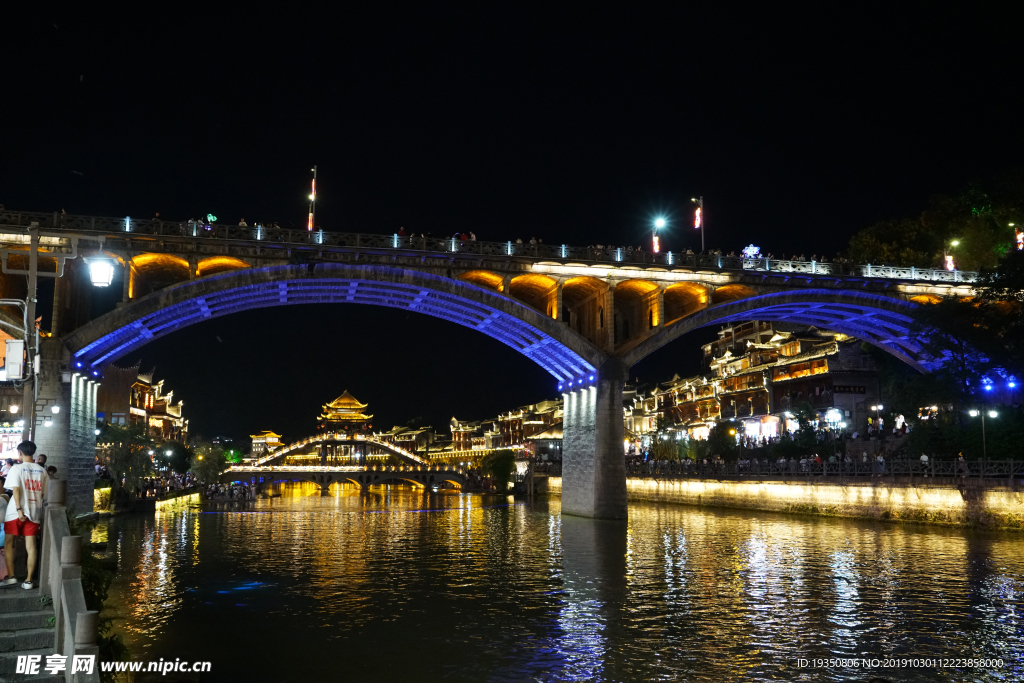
<point>950,263</point>
<point>312,201</point>
<point>991,414</point>
<point>698,218</point>
<point>101,271</point>
<point>877,408</point>
<point>659,223</point>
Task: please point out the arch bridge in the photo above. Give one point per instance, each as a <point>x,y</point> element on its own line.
<point>584,314</point>
<point>425,476</point>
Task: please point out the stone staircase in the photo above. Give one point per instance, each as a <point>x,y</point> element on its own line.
<point>26,628</point>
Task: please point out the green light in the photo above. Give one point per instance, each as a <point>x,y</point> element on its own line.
<point>211,218</point>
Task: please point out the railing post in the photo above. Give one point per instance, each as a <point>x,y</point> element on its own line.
<point>71,551</point>
<point>86,628</point>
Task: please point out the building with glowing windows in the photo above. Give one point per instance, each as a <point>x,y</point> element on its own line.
<point>127,396</point>
<point>345,414</point>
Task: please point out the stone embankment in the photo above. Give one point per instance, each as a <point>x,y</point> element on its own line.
<point>947,502</point>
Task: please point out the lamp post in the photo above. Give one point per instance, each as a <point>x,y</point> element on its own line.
<point>658,224</point>
<point>698,218</point>
<point>876,409</point>
<point>950,262</point>
<point>312,202</point>
<point>976,413</point>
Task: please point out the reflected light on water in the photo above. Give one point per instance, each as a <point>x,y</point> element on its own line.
<point>468,588</point>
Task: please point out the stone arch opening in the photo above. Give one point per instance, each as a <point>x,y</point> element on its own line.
<point>483,278</point>
<point>219,264</point>
<point>583,298</point>
<point>152,272</point>
<point>634,301</point>
<point>729,293</point>
<point>684,299</point>
<point>535,290</point>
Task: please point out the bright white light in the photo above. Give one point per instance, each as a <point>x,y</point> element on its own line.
<point>993,413</point>
<point>101,272</point>
<point>842,425</point>
<point>54,409</point>
<point>151,452</point>
<point>879,406</point>
<point>47,422</point>
<point>14,410</point>
<point>659,223</point>
<point>167,452</point>
<point>972,413</point>
<point>96,432</point>
<point>955,243</point>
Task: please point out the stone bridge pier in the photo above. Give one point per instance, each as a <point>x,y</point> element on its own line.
<point>65,423</point>
<point>593,456</point>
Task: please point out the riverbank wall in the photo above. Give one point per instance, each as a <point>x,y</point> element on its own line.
<point>946,503</point>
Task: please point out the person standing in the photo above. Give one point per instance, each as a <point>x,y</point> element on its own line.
<point>28,482</point>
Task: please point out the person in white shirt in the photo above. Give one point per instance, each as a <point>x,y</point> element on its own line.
<point>28,481</point>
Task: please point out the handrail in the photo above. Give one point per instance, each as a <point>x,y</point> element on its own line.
<point>76,628</point>
<point>269,237</point>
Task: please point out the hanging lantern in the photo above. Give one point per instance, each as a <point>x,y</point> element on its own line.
<point>101,271</point>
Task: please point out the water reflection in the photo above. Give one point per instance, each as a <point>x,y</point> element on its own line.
<point>465,588</point>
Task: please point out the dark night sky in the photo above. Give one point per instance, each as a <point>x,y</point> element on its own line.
<point>574,125</point>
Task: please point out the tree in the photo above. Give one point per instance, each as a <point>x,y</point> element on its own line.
<point>665,449</point>
<point>722,440</point>
<point>499,466</point>
<point>959,332</point>
<point>208,463</point>
<point>128,458</point>
<point>1001,290</point>
<point>977,218</point>
<point>174,455</point>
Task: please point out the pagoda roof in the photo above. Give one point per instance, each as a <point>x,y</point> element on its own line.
<point>346,402</point>
<point>264,434</point>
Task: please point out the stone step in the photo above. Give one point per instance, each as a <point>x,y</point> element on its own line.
<point>15,621</point>
<point>9,661</point>
<point>38,678</point>
<point>17,599</point>
<point>26,639</point>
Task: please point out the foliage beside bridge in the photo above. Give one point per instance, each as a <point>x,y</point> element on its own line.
<point>979,217</point>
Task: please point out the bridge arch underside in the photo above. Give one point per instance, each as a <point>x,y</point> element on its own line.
<point>564,353</point>
<point>882,321</point>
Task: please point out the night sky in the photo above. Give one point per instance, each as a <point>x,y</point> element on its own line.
<point>571,124</point>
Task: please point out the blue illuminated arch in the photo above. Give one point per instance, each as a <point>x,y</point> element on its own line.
<point>555,347</point>
<point>883,321</point>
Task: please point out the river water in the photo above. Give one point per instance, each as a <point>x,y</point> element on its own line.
<point>398,585</point>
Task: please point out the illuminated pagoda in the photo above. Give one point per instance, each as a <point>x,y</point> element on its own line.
<point>345,414</point>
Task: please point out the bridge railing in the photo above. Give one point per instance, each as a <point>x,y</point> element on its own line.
<point>284,236</point>
<point>990,471</point>
<point>345,468</point>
